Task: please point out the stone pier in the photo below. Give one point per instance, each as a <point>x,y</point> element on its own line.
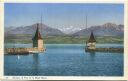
<point>22,50</point>
<point>118,50</point>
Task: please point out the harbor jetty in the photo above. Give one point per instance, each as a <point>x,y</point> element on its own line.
<point>38,45</point>
<point>118,50</point>
<point>91,46</point>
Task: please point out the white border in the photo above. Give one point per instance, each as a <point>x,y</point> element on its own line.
<point>68,77</point>
<point>65,1</point>
<point>1,38</point>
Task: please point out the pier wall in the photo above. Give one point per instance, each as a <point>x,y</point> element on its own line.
<point>22,50</point>
<point>118,50</point>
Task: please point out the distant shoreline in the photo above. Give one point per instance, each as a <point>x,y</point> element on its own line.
<point>65,39</point>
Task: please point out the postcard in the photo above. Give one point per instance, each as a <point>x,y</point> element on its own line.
<point>51,41</point>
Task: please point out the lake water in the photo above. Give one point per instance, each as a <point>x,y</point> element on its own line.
<point>64,60</point>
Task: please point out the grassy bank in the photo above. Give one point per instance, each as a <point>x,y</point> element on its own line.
<point>63,39</point>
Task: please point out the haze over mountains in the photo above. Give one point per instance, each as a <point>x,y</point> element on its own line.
<point>108,29</point>
<point>44,29</point>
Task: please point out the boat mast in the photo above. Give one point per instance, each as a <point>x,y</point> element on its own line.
<point>86,26</point>
<point>41,29</point>
<point>41,23</point>
<point>86,21</point>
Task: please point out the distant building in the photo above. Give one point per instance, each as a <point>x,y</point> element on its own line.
<point>37,39</point>
<point>91,43</point>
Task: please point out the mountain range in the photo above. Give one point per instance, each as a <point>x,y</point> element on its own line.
<point>107,29</point>
<point>44,29</point>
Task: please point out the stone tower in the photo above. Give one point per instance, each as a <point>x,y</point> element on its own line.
<point>91,43</point>
<point>37,39</point>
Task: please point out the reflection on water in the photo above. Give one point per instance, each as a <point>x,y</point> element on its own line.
<point>92,56</point>
<point>65,60</point>
<point>18,57</point>
<point>35,63</point>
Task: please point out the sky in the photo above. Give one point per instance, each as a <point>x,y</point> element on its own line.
<point>63,15</point>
